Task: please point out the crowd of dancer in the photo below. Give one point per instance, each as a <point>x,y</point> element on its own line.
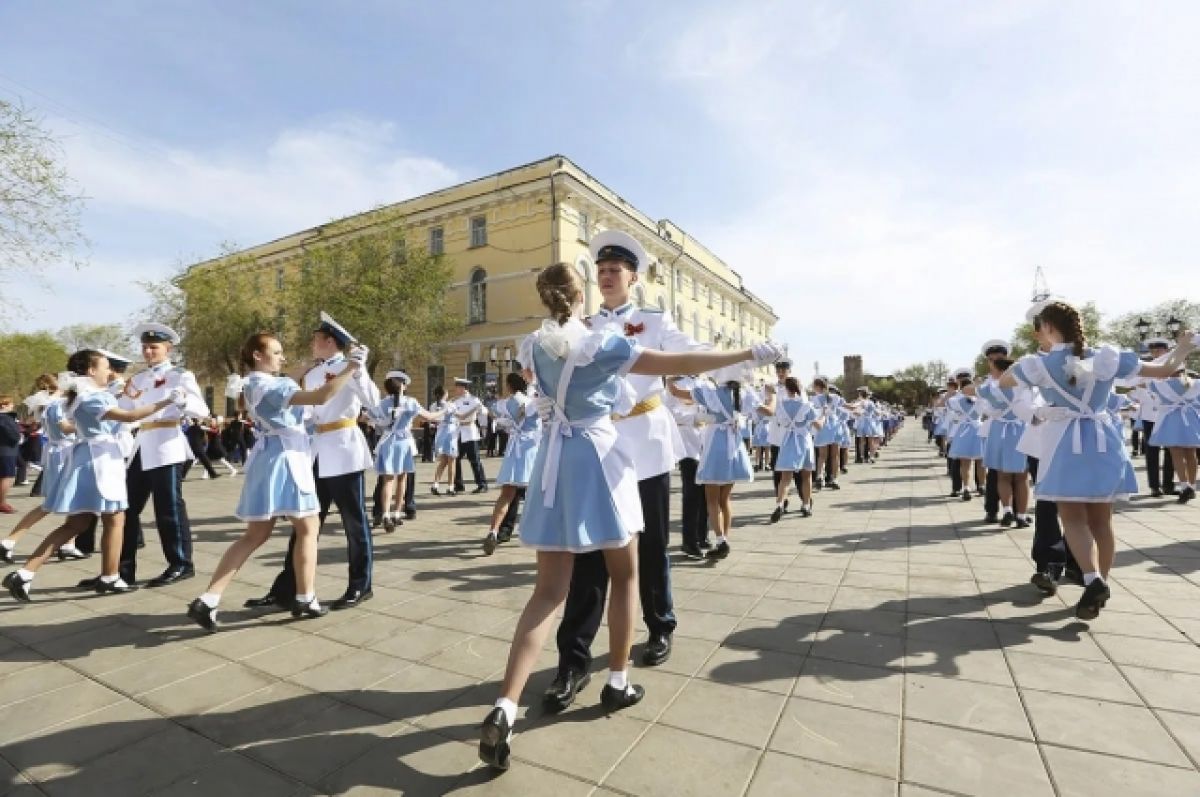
<point>604,409</point>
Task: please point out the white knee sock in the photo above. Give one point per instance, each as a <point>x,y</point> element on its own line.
<point>210,599</point>
<point>618,679</point>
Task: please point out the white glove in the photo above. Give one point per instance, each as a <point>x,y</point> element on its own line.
<point>544,407</point>
<point>359,354</point>
<point>178,397</point>
<point>766,352</point>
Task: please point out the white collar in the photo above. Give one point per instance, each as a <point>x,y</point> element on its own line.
<point>604,312</point>
<point>335,359</point>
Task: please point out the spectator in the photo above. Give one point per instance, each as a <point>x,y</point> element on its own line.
<point>10,440</point>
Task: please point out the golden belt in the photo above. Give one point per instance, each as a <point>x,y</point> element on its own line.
<point>333,426</point>
<point>641,408</point>
<point>148,425</point>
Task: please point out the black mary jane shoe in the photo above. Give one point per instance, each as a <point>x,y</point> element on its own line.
<point>494,738</point>
<point>721,551</point>
<point>966,495</point>
<point>657,651</point>
<point>805,512</point>
<point>617,699</point>
<point>561,694</point>
<point>777,514</point>
<point>1020,523</point>
<point>834,485</point>
<point>489,544</point>
<point>6,555</point>
<point>308,611</point>
<point>1006,521</point>
<point>1044,583</point>
<point>17,587</point>
<point>1094,598</point>
<point>117,587</point>
<point>203,615</point>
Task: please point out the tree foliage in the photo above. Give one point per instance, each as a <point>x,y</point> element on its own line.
<point>94,336</point>
<point>39,205</point>
<point>1122,330</point>
<point>390,297</point>
<point>23,356</point>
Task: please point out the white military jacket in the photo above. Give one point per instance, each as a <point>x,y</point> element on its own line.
<point>468,408</point>
<point>651,439</point>
<point>343,449</point>
<point>160,439</point>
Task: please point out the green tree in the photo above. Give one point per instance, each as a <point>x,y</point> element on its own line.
<point>94,336</point>
<point>39,205</point>
<point>390,296</point>
<point>24,356</point>
<point>1122,329</point>
<point>1024,342</point>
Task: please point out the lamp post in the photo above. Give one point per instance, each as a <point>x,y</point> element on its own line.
<point>1174,325</point>
<point>1143,328</point>
<point>501,364</point>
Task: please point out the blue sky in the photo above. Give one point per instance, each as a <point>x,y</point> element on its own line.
<point>905,165</point>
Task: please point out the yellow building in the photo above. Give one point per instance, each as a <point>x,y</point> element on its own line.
<point>500,231</point>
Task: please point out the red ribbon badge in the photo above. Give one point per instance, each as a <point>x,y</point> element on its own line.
<point>160,382</point>
<point>634,329</point>
<point>330,377</point>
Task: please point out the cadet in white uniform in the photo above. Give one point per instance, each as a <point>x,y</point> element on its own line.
<point>340,455</point>
<point>690,419</point>
<point>468,410</point>
<point>161,452</point>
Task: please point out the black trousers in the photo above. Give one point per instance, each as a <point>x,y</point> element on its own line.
<point>589,582</point>
<point>1160,470</point>
<point>470,450</point>
<point>410,499</point>
<point>955,473</point>
<point>1135,437</point>
<point>427,434</point>
<point>346,491</point>
<point>695,508</point>
<point>202,456</point>
<point>508,524</point>
<point>1050,552</point>
<point>991,492</point>
<point>165,485</point>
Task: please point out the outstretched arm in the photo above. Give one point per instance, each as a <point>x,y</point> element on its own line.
<point>325,391</point>
<point>661,363</point>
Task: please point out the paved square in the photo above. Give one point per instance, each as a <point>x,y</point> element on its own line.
<point>889,645</point>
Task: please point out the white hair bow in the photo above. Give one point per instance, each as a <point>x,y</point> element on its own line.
<point>559,340</point>
<point>1081,369</point>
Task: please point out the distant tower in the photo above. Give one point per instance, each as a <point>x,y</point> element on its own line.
<point>852,373</point>
<point>1041,291</point>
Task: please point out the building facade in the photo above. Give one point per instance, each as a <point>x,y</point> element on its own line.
<point>500,231</point>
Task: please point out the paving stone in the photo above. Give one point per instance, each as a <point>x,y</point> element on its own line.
<point>973,763</point>
<point>1105,727</point>
<point>714,766</point>
<point>865,741</point>
<point>783,774</point>
<point>1083,774</point>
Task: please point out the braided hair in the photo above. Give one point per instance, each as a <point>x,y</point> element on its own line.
<point>558,287</point>
<point>1069,323</point>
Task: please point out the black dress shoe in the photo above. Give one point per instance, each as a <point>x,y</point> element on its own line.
<point>1095,596</point>
<point>805,512</point>
<point>480,489</point>
<point>308,611</point>
<point>172,575</point>
<point>351,598</point>
<point>777,514</point>
<point>1044,583</point>
<point>203,616</point>
<point>1020,523</point>
<point>1170,491</point>
<point>17,587</point>
<point>117,587</point>
<point>70,554</point>
<point>719,552</point>
<point>494,738</point>
<point>410,514</point>
<point>705,544</point>
<point>266,601</point>
<point>657,651</point>
<point>954,494</point>
<point>6,555</point>
<point>616,699</point>
<point>561,694</point>
<point>504,535</point>
<point>489,544</point>
<point>834,485</point>
<point>1073,575</point>
<point>1006,521</point>
<point>1156,493</point>
<point>691,551</point>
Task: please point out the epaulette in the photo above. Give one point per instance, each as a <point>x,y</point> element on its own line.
<point>655,310</point>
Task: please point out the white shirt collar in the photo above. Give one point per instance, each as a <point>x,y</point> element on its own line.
<point>616,313</point>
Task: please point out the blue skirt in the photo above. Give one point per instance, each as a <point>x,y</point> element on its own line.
<point>394,455</point>
<point>1090,476</point>
<point>445,444</point>
<point>966,443</point>
<point>270,490</point>
<point>718,465</point>
<point>1000,448</point>
<point>796,453</point>
<point>762,434</point>
<point>1179,428</point>
<point>76,491</point>
<point>517,467</point>
<point>52,468</point>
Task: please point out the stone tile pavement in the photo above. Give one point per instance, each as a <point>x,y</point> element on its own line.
<point>889,645</point>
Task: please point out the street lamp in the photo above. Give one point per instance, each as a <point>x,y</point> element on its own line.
<point>1174,325</point>
<point>1143,328</point>
<point>494,356</point>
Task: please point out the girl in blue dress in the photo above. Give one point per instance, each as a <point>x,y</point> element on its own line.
<point>800,419</point>
<point>867,428</point>
<point>279,477</point>
<point>1000,452</point>
<point>583,494</point>
<point>524,434</point>
<point>1178,427</point>
<point>1082,461</point>
<point>395,454</point>
<point>445,449</point>
<point>723,457</point>
<point>92,479</point>
<point>966,444</point>
<point>825,441</point>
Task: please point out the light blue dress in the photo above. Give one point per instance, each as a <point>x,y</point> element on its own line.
<point>1178,424</point>
<point>1004,432</point>
<point>826,407</point>
<point>583,493</point>
<point>867,424</point>
<point>279,470</point>
<point>1082,451</point>
<point>58,444</point>
<point>796,449</point>
<point>445,442</point>
<point>723,458</point>
<point>92,481</point>
<point>966,442</point>
<point>394,453</point>
<point>517,467</point>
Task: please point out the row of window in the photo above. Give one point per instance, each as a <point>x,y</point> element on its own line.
<point>478,227</point>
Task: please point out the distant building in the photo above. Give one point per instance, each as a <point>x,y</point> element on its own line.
<point>852,373</point>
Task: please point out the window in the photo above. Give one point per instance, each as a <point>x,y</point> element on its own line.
<point>435,377</point>
<point>679,314</point>
<point>585,227</point>
<point>478,231</point>
<point>695,289</point>
<point>437,241</point>
<point>477,373</point>
<point>677,276</point>
<point>695,325</point>
<point>279,278</point>
<point>724,306</point>
<point>709,289</point>
<point>477,300</point>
